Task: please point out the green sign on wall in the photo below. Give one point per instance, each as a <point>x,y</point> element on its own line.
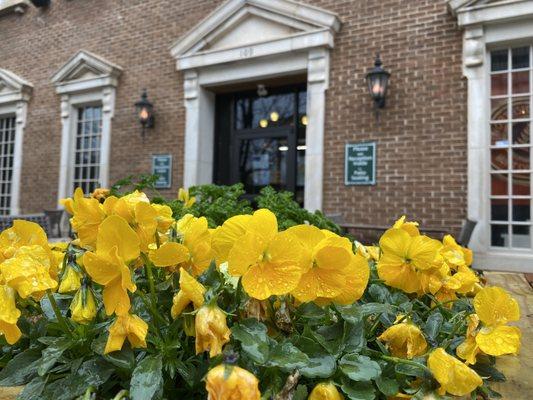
<point>162,167</point>
<point>360,164</point>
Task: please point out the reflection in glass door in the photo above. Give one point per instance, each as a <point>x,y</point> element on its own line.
<point>260,140</point>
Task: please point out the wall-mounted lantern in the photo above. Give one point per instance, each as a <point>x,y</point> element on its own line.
<point>40,3</point>
<point>145,111</point>
<point>378,81</point>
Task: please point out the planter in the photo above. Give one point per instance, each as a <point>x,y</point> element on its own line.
<point>10,393</point>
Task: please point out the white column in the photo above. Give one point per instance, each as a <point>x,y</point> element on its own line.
<point>199,132</point>
<point>21,113</point>
<point>64,166</point>
<point>478,191</point>
<point>108,108</point>
<point>317,84</point>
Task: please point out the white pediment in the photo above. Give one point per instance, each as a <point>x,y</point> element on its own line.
<point>86,70</point>
<point>477,12</point>
<point>13,87</point>
<point>241,23</point>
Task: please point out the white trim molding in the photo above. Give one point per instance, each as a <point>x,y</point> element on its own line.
<point>251,40</point>
<point>15,94</point>
<point>13,6</point>
<point>488,25</point>
<point>86,79</point>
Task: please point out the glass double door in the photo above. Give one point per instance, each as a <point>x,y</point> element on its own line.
<point>260,140</point>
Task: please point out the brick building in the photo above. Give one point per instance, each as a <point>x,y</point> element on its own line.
<point>272,92</point>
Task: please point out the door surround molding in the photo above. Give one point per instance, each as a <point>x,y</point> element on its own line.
<point>252,40</point>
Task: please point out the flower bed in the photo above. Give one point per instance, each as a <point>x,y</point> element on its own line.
<point>154,301</point>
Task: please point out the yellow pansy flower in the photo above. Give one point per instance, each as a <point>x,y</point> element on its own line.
<point>453,376</point>
<point>374,252</point>
<point>70,281</point>
<point>468,350</point>
<point>454,254</point>
<point>117,244</point>
<point>212,331</point>
<point>100,194</point>
<point>269,262</point>
<point>193,253</point>
<point>83,306</point>
<point>22,233</point>
<point>325,391</point>
<point>126,326</point>
<point>404,340</point>
<point>495,308</point>
<point>228,382</point>
<point>226,235</point>
<point>410,227</point>
<point>87,215</point>
<point>28,272</point>
<point>191,291</point>
<point>164,217</point>
<point>9,315</point>
<point>326,262</point>
<point>183,196</point>
<point>404,257</point>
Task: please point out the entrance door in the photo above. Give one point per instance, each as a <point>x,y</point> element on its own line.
<point>260,139</point>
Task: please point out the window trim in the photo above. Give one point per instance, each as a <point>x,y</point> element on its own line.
<point>14,102</point>
<point>85,80</point>
<point>479,38</point>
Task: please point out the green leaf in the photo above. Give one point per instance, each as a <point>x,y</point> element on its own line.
<point>410,370</point>
<point>359,368</point>
<point>489,371</point>
<point>52,353</point>
<point>147,378</point>
<point>321,364</point>
<point>354,336</point>
<point>33,390</point>
<point>21,369</point>
<point>331,338</point>
<point>433,325</point>
<point>287,357</point>
<point>375,308</point>
<point>300,393</point>
<point>351,313</point>
<point>123,359</point>
<point>358,390</point>
<point>254,340</point>
<point>387,386</point>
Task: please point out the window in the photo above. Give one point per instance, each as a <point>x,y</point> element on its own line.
<point>511,94</point>
<point>88,148</point>
<point>7,147</point>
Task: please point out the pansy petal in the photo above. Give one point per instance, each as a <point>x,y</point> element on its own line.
<point>168,254</point>
<point>499,341</point>
<point>115,232</point>
<point>495,306</point>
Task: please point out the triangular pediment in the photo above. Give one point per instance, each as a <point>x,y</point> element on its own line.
<point>85,66</point>
<point>238,23</point>
<point>457,6</point>
<point>13,86</point>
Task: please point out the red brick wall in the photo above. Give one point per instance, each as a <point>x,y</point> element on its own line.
<point>421,134</point>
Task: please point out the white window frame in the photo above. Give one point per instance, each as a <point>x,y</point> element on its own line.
<point>15,93</point>
<point>304,52</point>
<point>507,23</point>
<point>85,80</point>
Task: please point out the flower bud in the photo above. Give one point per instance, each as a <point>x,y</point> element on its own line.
<point>70,281</point>
<point>212,332</point>
<point>325,391</point>
<point>227,382</point>
<point>83,306</point>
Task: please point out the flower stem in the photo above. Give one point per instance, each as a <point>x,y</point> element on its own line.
<point>121,395</point>
<point>60,319</point>
<point>150,278</point>
<point>397,360</point>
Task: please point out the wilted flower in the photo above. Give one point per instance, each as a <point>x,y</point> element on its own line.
<point>191,291</point>
<point>9,315</point>
<point>117,244</point>
<point>83,306</point>
<point>227,382</point>
<point>212,331</point>
<point>126,326</point>
<point>325,391</point>
<point>404,340</point>
<point>100,194</point>
<point>453,376</point>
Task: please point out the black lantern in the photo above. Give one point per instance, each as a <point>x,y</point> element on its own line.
<point>378,81</point>
<point>40,3</point>
<point>145,111</point>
